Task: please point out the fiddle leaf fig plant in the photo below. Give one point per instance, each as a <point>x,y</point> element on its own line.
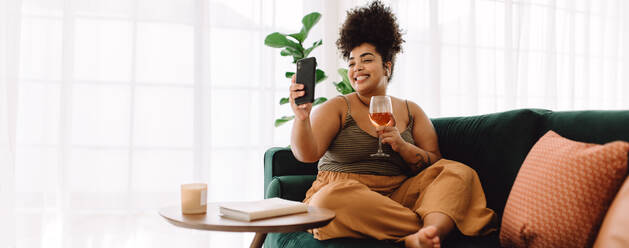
<point>293,45</point>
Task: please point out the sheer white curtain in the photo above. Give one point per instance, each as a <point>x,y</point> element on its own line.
<point>122,101</point>
<point>480,56</point>
<point>9,29</point>
<point>106,107</point>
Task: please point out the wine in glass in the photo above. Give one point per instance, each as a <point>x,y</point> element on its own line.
<point>380,114</point>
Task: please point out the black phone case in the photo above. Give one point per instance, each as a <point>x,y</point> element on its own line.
<point>306,75</point>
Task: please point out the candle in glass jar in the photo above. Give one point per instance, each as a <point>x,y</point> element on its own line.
<point>194,198</point>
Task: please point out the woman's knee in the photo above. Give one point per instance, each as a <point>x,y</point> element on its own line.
<point>337,194</point>
<point>462,171</point>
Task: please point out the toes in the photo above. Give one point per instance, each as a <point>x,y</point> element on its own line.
<point>435,242</point>
<point>426,237</point>
<point>430,231</point>
<point>429,238</point>
<point>426,241</point>
<point>412,240</point>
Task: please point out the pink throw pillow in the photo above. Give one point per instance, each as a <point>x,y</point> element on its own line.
<point>562,192</point>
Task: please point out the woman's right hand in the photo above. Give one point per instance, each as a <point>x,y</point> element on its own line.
<point>302,112</point>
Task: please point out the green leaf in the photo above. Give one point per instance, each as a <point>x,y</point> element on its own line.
<point>309,21</point>
<point>343,73</point>
<point>291,38</point>
<point>345,81</point>
<point>284,100</point>
<point>319,100</point>
<point>284,119</point>
<point>299,36</point>
<point>344,87</point>
<point>339,87</point>
<point>293,49</point>
<point>276,40</point>
<point>289,74</point>
<point>296,53</point>
<point>320,76</point>
<point>296,50</point>
<point>314,45</point>
<point>279,40</point>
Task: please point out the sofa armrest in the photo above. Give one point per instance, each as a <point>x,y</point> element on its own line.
<point>280,161</point>
<point>289,187</point>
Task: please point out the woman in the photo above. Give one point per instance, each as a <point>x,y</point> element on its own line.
<point>413,196</point>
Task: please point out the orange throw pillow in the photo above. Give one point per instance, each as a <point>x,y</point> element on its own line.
<point>562,192</point>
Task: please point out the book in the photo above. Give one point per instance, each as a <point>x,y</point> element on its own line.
<point>267,208</point>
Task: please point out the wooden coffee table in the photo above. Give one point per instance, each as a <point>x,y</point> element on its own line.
<point>315,217</point>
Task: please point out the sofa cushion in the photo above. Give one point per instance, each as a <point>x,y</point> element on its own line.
<point>494,145</point>
<point>613,233</point>
<point>305,240</point>
<point>561,193</point>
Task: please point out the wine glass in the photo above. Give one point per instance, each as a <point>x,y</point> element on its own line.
<point>380,114</point>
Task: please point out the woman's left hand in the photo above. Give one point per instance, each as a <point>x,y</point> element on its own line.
<point>391,135</point>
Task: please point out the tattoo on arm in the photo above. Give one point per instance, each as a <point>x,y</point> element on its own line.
<point>422,161</point>
<point>428,156</point>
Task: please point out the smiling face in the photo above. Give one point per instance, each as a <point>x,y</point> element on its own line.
<point>367,73</point>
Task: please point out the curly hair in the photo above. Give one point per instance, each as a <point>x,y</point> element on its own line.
<point>374,24</point>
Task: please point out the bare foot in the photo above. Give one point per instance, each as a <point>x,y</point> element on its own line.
<point>425,237</point>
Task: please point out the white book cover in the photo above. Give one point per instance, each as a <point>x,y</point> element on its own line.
<point>267,208</point>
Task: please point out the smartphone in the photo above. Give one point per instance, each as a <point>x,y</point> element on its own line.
<point>306,75</point>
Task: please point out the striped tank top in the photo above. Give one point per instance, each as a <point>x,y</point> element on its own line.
<point>349,151</point>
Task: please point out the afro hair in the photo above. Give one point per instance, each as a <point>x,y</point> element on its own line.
<point>374,24</point>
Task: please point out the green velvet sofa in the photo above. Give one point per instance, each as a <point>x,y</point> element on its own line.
<point>495,145</point>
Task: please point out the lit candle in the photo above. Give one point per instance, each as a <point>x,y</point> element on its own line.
<point>194,198</point>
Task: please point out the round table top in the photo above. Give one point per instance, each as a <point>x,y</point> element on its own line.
<point>315,217</point>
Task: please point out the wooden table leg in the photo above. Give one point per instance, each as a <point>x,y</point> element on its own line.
<point>258,240</point>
